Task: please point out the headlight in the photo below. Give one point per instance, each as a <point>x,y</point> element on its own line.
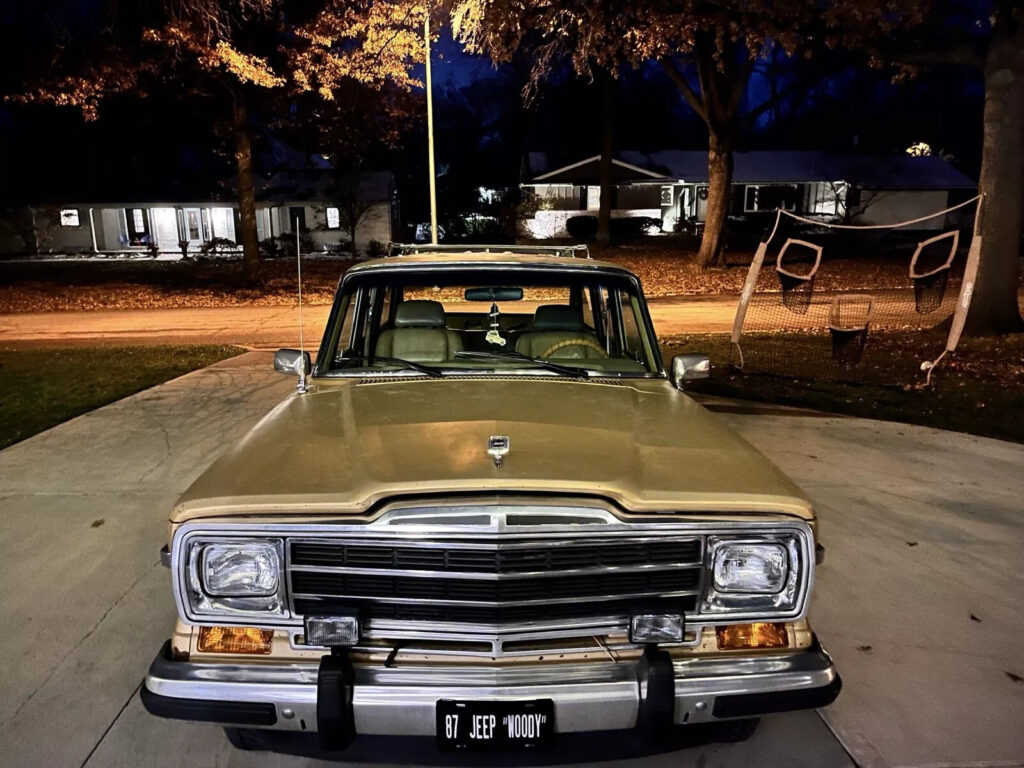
<point>757,568</point>
<point>233,577</point>
<point>759,576</point>
<point>238,570</point>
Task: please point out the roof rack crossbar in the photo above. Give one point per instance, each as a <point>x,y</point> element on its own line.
<point>561,251</point>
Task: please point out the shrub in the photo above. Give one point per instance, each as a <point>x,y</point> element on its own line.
<point>631,227</point>
<point>218,246</point>
<point>284,245</point>
<point>375,249</point>
<point>581,227</point>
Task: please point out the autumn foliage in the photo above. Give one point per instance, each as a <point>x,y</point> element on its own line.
<point>240,53</point>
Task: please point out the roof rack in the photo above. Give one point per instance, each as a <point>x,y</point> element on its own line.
<point>561,251</point>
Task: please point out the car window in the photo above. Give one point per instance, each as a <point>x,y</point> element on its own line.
<point>493,322</point>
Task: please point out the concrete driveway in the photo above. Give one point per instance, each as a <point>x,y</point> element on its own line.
<point>920,598</point>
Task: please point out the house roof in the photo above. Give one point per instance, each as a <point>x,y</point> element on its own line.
<point>762,166</point>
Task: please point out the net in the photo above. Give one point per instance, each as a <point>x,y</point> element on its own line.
<point>871,303</point>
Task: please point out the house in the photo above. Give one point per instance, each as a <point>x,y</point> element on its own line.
<point>672,186</point>
<point>164,227</point>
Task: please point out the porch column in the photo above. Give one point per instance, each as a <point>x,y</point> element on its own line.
<point>92,233</point>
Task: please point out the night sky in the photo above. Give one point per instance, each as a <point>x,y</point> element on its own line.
<point>160,147</point>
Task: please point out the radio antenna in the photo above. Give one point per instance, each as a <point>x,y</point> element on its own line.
<point>302,346</point>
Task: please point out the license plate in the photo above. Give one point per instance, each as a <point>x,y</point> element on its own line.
<point>494,725</point>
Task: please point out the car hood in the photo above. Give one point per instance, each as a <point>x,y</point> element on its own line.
<point>347,444</point>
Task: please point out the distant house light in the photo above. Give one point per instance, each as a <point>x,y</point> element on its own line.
<point>333,217</point>
<point>488,195</point>
<point>920,149</point>
<point>69,217</point>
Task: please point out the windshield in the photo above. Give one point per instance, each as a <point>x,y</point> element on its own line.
<point>451,322</point>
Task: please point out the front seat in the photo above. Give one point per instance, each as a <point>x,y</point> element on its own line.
<point>553,324</point>
<point>419,334</point>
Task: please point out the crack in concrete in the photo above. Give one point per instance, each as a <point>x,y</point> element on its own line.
<point>77,645</point>
<point>111,725</point>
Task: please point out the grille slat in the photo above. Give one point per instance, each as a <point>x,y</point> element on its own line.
<point>495,583</point>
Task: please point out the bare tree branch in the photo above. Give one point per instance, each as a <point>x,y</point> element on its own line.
<point>692,98</point>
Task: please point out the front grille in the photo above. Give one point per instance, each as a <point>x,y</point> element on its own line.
<point>495,582</point>
<point>544,556</point>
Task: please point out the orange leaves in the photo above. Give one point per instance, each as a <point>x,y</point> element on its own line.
<point>246,68</point>
<point>372,43</point>
<point>84,91</point>
<point>218,55</point>
<point>367,42</point>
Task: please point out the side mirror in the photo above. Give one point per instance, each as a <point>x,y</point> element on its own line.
<point>292,361</point>
<point>690,368</point>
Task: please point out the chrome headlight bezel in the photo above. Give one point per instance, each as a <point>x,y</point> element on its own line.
<point>202,605</point>
<point>787,601</point>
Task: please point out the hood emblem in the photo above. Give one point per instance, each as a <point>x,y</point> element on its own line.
<point>497,448</point>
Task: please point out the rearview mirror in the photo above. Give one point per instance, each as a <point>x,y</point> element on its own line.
<point>292,361</point>
<point>690,368</point>
<point>494,294</point>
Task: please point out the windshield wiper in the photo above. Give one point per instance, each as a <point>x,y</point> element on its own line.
<point>427,369</point>
<point>564,370</point>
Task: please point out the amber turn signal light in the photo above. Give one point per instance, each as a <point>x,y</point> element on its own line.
<point>760,635</point>
<point>235,640</point>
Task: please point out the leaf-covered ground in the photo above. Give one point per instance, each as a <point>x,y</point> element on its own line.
<point>40,388</point>
<point>976,390</point>
<point>664,268</point>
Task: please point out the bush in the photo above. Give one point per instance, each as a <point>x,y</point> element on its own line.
<point>375,249</point>
<point>218,246</point>
<point>582,227</point>
<point>284,245</point>
<point>627,228</point>
<point>634,226</point>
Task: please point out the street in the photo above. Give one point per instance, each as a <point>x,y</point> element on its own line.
<point>919,599</point>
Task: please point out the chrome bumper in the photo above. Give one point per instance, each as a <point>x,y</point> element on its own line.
<point>587,697</point>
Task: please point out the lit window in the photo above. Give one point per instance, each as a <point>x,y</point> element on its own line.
<point>69,217</point>
<point>137,220</point>
<point>768,197</point>
<point>333,218</point>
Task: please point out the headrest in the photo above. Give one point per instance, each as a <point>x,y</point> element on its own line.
<point>557,317</point>
<point>419,313</point>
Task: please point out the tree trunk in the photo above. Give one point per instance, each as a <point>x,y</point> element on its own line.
<point>720,161</point>
<point>994,307</point>
<point>352,232</point>
<point>246,192</point>
<point>604,213</point>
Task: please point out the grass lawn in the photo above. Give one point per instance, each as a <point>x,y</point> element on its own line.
<point>40,388</point>
<point>979,389</point>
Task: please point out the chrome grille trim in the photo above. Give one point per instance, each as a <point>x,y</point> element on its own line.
<point>496,603</point>
<point>484,525</point>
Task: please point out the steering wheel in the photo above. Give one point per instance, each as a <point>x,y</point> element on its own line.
<point>577,342</point>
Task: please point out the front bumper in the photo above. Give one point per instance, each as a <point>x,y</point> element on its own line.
<point>401,701</point>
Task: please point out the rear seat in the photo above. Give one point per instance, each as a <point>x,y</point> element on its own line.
<point>419,334</point>
<point>553,323</point>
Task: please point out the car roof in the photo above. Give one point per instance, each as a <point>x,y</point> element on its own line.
<point>468,260</point>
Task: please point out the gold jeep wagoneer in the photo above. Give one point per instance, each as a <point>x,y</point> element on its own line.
<point>490,516</point>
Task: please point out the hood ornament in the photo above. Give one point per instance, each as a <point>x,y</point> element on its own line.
<point>497,448</point>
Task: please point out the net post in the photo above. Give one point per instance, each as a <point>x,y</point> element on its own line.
<point>748,292</point>
<point>963,304</point>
